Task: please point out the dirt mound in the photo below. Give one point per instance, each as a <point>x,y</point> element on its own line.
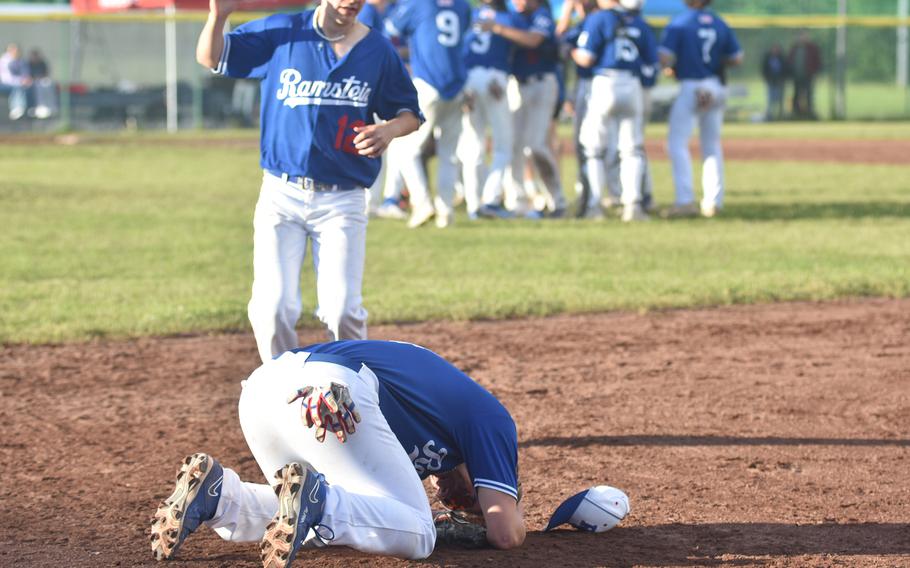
<point>768,435</point>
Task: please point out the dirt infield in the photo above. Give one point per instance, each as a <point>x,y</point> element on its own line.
<point>770,436</point>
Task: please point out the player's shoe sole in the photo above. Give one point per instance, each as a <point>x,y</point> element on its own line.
<point>282,535</point>
<point>171,526</point>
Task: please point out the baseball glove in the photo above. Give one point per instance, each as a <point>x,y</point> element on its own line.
<point>328,408</point>
<point>456,528</point>
<point>454,491</point>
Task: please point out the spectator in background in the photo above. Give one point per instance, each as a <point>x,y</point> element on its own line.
<point>805,63</point>
<point>15,80</point>
<point>42,86</point>
<point>775,70</point>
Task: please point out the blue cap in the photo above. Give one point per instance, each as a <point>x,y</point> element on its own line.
<point>564,512</point>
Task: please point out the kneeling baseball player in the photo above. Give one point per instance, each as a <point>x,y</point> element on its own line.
<point>399,413</point>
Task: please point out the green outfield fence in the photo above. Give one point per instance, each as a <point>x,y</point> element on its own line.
<point>112,69</point>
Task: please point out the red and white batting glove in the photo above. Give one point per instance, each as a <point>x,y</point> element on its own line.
<point>328,408</point>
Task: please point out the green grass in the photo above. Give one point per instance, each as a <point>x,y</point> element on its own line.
<point>135,235</point>
<point>865,101</point>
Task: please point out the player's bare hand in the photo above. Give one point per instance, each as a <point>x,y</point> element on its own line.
<point>328,408</point>
<point>224,8</point>
<point>487,25</point>
<point>373,139</point>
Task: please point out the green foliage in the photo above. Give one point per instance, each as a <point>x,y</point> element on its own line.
<point>805,7</point>
<point>130,236</point>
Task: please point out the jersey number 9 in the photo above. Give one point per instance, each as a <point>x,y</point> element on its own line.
<point>449,28</point>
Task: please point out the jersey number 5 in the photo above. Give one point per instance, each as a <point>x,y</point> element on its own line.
<point>708,38</point>
<point>449,28</point>
<point>344,141</point>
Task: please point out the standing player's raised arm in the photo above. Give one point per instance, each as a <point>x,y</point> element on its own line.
<point>211,39</point>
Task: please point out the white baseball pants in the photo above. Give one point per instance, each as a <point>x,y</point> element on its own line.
<point>375,502</point>
<point>614,186</point>
<point>614,123</point>
<point>532,104</point>
<point>438,112</point>
<point>486,111</point>
<point>683,115</point>
<point>286,218</point>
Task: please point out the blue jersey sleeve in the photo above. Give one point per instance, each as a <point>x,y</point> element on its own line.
<point>490,447</point>
<point>399,22</point>
<point>671,40</point>
<point>396,91</point>
<point>542,23</point>
<point>249,48</point>
<point>593,36</point>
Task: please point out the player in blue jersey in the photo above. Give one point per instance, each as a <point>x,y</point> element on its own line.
<point>324,76</point>
<point>435,30</point>
<point>400,414</point>
<point>699,46</point>
<point>375,12</point>
<point>616,43</point>
<point>532,98</point>
<point>488,59</point>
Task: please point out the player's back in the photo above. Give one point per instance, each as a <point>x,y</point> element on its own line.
<point>701,42</point>
<point>435,31</point>
<point>619,40</point>
<point>429,404</point>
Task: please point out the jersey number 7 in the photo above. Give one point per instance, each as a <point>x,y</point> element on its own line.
<point>709,38</point>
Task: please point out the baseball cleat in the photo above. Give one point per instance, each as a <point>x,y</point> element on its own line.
<point>632,213</point>
<point>391,210</point>
<point>682,211</point>
<point>194,500</point>
<point>708,211</point>
<point>301,502</point>
<point>420,216</point>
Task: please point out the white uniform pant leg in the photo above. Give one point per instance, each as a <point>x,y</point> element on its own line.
<point>500,120</point>
<point>682,120</point>
<point>449,119</point>
<point>647,186</point>
<point>541,97</point>
<point>244,509</point>
<point>374,194</point>
<point>710,123</point>
<point>519,110</point>
<point>630,145</point>
<point>471,144</point>
<point>409,147</point>
<point>596,136</point>
<point>375,500</point>
<point>279,247</point>
<point>338,229</point>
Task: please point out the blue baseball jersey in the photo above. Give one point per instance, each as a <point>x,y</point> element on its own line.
<point>571,37</point>
<point>312,100</point>
<point>486,49</point>
<point>701,42</point>
<point>618,40</point>
<point>542,59</point>
<point>439,414</point>
<point>374,17</point>
<point>435,30</point>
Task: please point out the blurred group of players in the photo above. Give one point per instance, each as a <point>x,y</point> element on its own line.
<point>492,80</point>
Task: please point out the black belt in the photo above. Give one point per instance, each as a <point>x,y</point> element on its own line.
<point>307,183</point>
